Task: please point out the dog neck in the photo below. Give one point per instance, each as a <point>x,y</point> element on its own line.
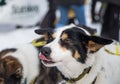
<point>85,71</point>
<point>72,69</point>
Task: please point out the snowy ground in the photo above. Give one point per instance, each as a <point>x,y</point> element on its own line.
<point>16,37</point>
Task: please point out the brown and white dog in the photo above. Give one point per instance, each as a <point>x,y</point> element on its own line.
<point>81,57</point>
<point>20,65</point>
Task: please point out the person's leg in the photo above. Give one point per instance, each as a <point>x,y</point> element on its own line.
<point>93,5</point>
<point>114,23</point>
<point>110,26</point>
<point>63,16</point>
<point>105,25</point>
<point>80,13</point>
<point>49,19</point>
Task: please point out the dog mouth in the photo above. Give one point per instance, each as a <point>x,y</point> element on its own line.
<point>47,61</point>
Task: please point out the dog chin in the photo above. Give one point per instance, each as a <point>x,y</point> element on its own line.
<point>51,64</point>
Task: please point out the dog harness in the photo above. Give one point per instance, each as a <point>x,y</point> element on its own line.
<point>72,81</point>
<point>115,49</point>
<point>37,43</point>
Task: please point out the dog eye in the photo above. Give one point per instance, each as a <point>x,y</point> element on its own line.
<point>68,40</point>
<point>50,39</point>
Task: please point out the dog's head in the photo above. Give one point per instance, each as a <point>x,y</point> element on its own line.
<point>10,68</point>
<point>70,43</point>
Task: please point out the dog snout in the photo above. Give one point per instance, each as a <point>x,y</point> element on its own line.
<point>46,51</point>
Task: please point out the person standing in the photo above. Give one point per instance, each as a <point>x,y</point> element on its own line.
<point>49,19</point>
<point>111,20</point>
<point>78,6</point>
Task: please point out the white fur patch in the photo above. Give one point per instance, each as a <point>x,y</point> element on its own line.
<point>28,56</point>
<point>16,37</point>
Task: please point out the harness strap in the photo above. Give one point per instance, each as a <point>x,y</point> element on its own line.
<point>64,82</point>
<point>80,76</point>
<point>117,51</point>
<point>37,43</point>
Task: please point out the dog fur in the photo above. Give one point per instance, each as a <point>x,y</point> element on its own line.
<point>21,65</point>
<point>73,49</point>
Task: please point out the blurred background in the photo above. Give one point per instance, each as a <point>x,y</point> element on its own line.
<point>102,15</point>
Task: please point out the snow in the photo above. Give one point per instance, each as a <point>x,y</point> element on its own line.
<point>16,37</point>
<point>10,36</point>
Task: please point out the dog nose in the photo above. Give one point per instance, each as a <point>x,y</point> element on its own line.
<point>46,51</point>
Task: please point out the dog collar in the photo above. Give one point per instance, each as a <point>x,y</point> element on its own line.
<point>80,76</point>
<point>37,43</point>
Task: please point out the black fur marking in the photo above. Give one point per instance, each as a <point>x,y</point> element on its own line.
<point>43,31</point>
<point>100,40</point>
<point>10,80</point>
<point>74,34</point>
<point>3,52</point>
<point>49,75</point>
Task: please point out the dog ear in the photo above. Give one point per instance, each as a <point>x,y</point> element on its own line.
<point>100,40</point>
<point>94,43</point>
<point>12,67</point>
<point>43,31</point>
<point>47,32</point>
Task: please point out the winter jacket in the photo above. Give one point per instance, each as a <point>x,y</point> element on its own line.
<point>70,2</point>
